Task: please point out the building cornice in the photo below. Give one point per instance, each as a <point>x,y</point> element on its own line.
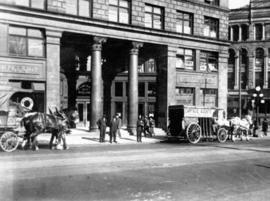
<point>59,17</point>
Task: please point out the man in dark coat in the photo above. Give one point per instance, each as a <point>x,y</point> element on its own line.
<point>265,126</point>
<point>102,124</point>
<point>113,129</point>
<point>140,128</point>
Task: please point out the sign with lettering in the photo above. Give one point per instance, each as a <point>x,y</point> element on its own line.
<point>198,112</point>
<point>84,89</point>
<point>19,68</point>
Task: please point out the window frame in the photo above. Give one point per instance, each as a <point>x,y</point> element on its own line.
<point>184,55</point>
<point>152,13</point>
<point>212,22</point>
<point>119,7</point>
<point>26,37</point>
<point>214,2</point>
<point>183,20</point>
<point>208,56</point>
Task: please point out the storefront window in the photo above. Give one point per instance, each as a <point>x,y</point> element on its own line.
<point>26,42</point>
<point>119,11</point>
<point>185,59</point>
<point>185,95</point>
<point>209,97</point>
<point>208,61</point>
<point>184,22</point>
<point>211,27</point>
<point>141,89</point>
<point>153,17</point>
<point>119,89</point>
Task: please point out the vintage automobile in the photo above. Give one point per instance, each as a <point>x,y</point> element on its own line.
<point>195,123</point>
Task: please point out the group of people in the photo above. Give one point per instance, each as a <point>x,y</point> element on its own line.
<point>115,126</point>
<point>144,125</point>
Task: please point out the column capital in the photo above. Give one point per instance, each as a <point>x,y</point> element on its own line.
<point>135,46</point>
<point>97,43</point>
<point>53,37</point>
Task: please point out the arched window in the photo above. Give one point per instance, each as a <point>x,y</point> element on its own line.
<point>258,32</point>
<point>235,33</point>
<point>244,68</point>
<point>231,69</point>
<point>245,32</point>
<point>259,66</point>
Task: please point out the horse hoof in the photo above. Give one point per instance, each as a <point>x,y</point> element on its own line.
<point>59,147</point>
<point>66,148</point>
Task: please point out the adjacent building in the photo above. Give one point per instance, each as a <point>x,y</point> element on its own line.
<point>114,56</point>
<point>249,33</point>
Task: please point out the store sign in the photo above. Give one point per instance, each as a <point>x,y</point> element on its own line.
<point>84,89</point>
<point>19,68</point>
<point>198,112</point>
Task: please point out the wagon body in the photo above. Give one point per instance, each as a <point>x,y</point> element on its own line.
<point>195,123</point>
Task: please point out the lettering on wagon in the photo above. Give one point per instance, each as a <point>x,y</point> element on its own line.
<point>19,68</point>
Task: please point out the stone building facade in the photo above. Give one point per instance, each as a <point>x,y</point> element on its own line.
<point>116,56</point>
<point>249,32</point>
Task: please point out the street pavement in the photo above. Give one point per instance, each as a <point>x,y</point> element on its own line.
<point>168,171</point>
<point>81,136</point>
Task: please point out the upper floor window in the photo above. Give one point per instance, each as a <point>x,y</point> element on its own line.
<point>208,61</point>
<point>119,11</point>
<point>39,4</point>
<point>212,2</point>
<point>154,17</point>
<point>79,7</point>
<point>25,42</point>
<point>185,95</point>
<point>267,31</point>
<point>148,66</point>
<point>258,32</point>
<point>184,22</point>
<point>185,58</point>
<point>211,27</point>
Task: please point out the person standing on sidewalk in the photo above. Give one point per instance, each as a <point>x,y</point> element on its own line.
<point>119,124</point>
<point>152,125</point>
<point>140,128</point>
<point>265,126</point>
<point>102,124</point>
<point>113,129</point>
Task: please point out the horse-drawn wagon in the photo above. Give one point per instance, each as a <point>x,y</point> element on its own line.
<point>196,123</point>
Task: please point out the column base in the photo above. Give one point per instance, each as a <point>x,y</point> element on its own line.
<point>93,129</point>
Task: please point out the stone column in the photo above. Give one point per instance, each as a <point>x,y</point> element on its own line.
<point>53,69</point>
<point>254,31</point>
<point>231,31</point>
<point>96,83</point>
<point>240,33</point>
<point>133,98</point>
<point>251,70</point>
<point>263,31</point>
<point>265,72</point>
<point>236,71</point>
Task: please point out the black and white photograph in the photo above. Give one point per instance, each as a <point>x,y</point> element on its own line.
<point>134,100</point>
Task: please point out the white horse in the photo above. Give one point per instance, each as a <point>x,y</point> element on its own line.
<point>241,127</point>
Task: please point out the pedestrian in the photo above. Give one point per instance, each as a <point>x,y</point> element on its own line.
<point>255,127</point>
<point>102,125</point>
<point>113,129</point>
<point>152,126</point>
<point>265,126</point>
<point>140,128</point>
<point>119,124</point>
<point>146,126</point>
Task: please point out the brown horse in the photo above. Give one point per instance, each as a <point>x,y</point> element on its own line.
<point>37,123</point>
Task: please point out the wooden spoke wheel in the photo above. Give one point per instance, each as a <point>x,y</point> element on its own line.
<point>9,141</point>
<point>193,133</point>
<point>222,135</point>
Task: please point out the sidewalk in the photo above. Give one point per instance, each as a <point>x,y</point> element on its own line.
<point>81,136</point>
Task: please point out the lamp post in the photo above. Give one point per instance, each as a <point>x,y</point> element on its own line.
<point>257,99</point>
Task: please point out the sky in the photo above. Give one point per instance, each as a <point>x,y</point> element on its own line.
<point>237,3</point>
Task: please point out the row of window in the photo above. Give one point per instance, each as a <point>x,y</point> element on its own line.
<point>185,59</point>
<point>144,89</point>
<point>262,32</point>
<point>120,12</point>
<point>186,96</point>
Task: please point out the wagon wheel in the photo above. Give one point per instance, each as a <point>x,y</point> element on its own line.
<point>222,135</point>
<point>9,141</point>
<point>193,133</point>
